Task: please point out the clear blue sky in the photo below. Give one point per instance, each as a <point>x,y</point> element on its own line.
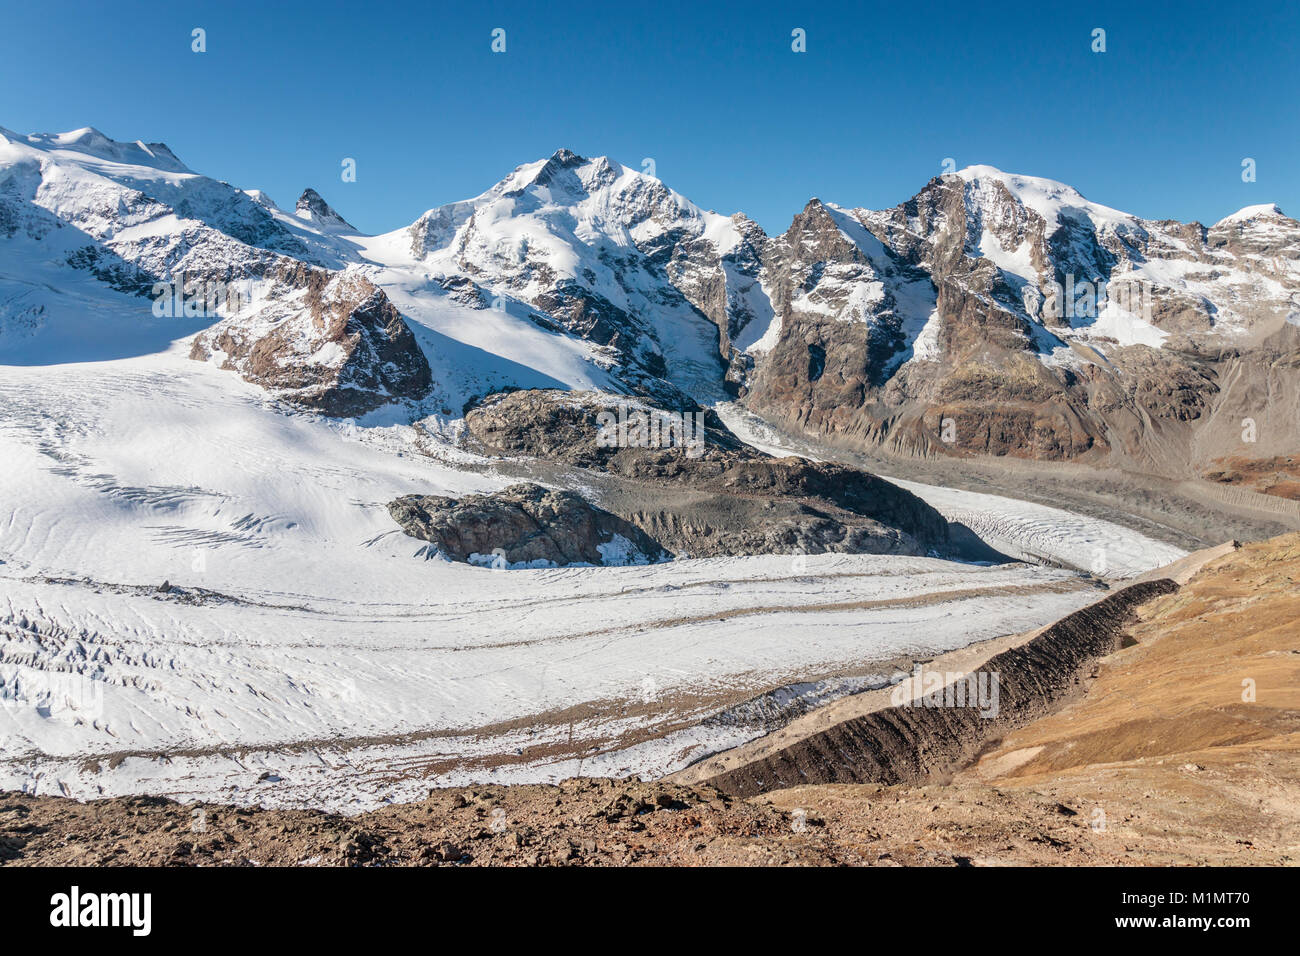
<point>1157,125</point>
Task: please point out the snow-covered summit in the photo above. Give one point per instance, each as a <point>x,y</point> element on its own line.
<point>602,194</point>
<point>90,143</point>
<point>608,253</point>
<point>317,211</point>
<point>1266,210</point>
<point>1047,197</point>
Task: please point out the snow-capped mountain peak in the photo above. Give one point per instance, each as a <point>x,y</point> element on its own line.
<point>317,211</point>
<point>1266,210</point>
<point>90,143</point>
<point>1048,198</point>
<point>609,254</point>
<point>582,272</point>
<point>560,160</point>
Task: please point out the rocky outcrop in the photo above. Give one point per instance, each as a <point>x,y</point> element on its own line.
<point>709,494</point>
<point>710,526</point>
<point>312,207</point>
<point>524,524</point>
<point>596,429</point>
<point>327,341</point>
<point>918,744</point>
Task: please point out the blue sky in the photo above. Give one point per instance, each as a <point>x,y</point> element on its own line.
<point>1157,125</point>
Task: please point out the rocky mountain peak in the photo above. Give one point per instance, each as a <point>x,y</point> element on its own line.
<point>815,217</point>
<point>567,158</point>
<point>748,229</point>
<point>560,162</point>
<point>815,234</point>
<point>313,208</point>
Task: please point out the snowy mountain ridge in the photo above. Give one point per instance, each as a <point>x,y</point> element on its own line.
<point>584,273</point>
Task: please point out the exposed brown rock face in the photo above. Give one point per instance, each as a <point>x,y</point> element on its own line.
<point>845,298</point>
<point>331,342</point>
<point>525,524</point>
<point>897,323</point>
<point>1209,678</point>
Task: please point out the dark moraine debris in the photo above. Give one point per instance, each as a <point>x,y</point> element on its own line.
<point>918,745</point>
<point>524,524</point>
